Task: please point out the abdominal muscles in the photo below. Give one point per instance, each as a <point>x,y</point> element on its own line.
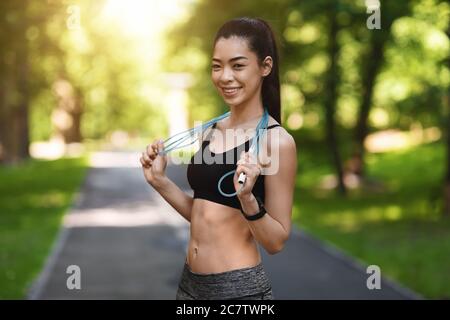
<point>220,239</point>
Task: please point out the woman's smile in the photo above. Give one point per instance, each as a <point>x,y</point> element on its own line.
<point>231,92</point>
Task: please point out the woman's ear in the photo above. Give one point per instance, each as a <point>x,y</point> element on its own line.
<point>267,66</point>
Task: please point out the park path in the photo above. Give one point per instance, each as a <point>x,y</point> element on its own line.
<point>130,244</point>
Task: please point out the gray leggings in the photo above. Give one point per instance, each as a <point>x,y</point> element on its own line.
<point>249,283</point>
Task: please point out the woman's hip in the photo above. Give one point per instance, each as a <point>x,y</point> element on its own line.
<point>249,283</point>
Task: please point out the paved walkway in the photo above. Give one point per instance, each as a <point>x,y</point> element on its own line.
<point>130,244</point>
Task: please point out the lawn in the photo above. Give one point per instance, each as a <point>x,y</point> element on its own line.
<point>399,228</point>
<point>33,199</point>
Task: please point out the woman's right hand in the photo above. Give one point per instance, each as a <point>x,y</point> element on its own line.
<point>153,163</point>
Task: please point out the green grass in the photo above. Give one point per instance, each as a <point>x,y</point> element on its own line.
<point>400,229</point>
<point>33,199</point>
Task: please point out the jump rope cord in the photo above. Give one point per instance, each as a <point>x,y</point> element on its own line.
<point>254,148</point>
<point>171,144</point>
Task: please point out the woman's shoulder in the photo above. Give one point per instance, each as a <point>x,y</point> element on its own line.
<point>273,123</point>
<point>277,128</point>
<point>281,138</point>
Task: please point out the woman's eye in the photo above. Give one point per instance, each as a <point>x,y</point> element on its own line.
<point>238,65</point>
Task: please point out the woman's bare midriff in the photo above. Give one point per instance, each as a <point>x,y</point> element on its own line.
<point>220,239</point>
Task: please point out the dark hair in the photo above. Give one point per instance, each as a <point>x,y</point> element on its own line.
<point>261,40</point>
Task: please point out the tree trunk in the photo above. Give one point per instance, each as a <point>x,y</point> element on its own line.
<point>447,175</point>
<point>446,102</point>
<point>331,100</point>
<point>66,116</point>
<point>22,114</point>
<point>14,134</point>
<point>370,70</point>
<point>3,130</point>
<point>14,131</point>
<point>374,62</point>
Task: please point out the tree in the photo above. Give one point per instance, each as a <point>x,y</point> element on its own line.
<point>21,23</point>
<point>14,87</point>
<point>370,67</point>
<point>446,102</point>
<point>332,80</point>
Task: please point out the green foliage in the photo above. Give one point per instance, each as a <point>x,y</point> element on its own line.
<point>104,66</point>
<point>400,229</point>
<point>414,79</point>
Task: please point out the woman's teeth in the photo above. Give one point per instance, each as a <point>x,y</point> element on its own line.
<point>231,91</point>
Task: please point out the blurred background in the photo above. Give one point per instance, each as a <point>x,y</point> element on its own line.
<point>369,109</point>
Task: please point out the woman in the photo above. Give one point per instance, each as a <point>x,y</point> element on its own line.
<point>223,260</point>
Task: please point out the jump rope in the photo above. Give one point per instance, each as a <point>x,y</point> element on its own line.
<point>175,142</point>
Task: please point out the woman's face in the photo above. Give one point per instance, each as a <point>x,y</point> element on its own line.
<point>235,70</point>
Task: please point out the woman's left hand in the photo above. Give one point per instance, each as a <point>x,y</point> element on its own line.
<point>249,165</point>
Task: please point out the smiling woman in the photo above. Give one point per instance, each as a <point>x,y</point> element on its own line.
<point>223,259</point>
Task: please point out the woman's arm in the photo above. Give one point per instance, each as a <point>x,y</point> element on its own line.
<point>154,166</point>
<point>178,199</point>
<point>273,229</point>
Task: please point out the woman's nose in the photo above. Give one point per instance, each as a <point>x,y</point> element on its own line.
<point>226,75</point>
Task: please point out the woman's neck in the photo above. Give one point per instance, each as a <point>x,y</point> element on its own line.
<point>242,114</point>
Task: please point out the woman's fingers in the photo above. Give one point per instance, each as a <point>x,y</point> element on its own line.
<point>160,145</point>
<point>155,147</point>
<point>242,168</point>
<point>144,164</point>
<point>248,169</point>
<point>149,151</point>
<point>249,157</point>
<point>152,149</point>
<point>146,159</point>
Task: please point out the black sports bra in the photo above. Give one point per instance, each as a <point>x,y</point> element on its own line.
<point>206,168</point>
